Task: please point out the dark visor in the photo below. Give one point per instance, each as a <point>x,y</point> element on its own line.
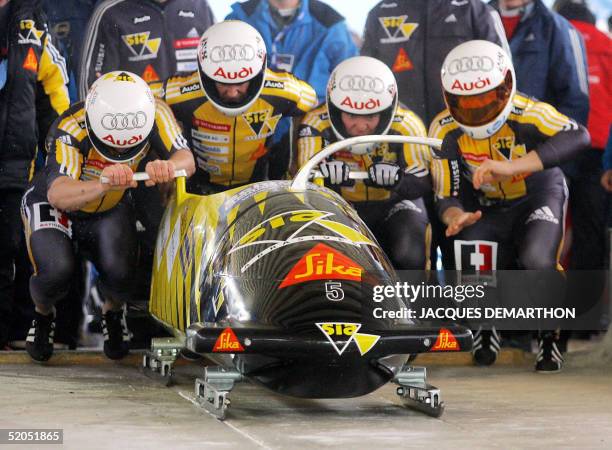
<point>479,109</point>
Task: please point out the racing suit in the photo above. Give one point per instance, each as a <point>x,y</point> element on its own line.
<point>32,94</point>
<point>524,214</point>
<point>414,36</point>
<point>397,217</point>
<point>151,39</point>
<point>233,151</point>
<point>104,229</point>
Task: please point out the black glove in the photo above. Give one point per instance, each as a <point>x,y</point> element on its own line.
<point>385,175</point>
<point>336,172</point>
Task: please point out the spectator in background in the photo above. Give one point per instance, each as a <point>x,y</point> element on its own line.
<point>588,198</point>
<point>414,36</point>
<point>68,21</point>
<point>151,38</point>
<point>548,56</point>
<point>32,95</point>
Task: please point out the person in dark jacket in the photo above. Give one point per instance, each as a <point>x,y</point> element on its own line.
<point>68,22</point>
<point>155,39</point>
<point>548,56</point>
<point>414,36</point>
<point>32,94</point>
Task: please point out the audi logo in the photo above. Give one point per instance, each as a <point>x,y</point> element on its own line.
<point>359,83</point>
<point>127,121</point>
<point>227,53</point>
<point>470,64</point>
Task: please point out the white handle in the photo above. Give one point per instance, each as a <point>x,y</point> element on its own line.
<point>144,176</point>
<point>352,175</point>
<point>300,180</point>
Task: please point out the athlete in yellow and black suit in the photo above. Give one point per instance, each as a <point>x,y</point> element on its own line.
<point>232,151</point>
<point>524,212</point>
<point>397,216</point>
<point>69,203</point>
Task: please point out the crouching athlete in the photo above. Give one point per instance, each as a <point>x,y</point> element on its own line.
<point>231,106</point>
<point>496,176</point>
<point>362,99</point>
<point>68,203</point>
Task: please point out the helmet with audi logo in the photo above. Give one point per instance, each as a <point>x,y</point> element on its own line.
<point>119,115</point>
<point>478,82</point>
<point>361,86</point>
<point>232,52</point>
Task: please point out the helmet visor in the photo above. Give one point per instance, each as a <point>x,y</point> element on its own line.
<point>480,109</point>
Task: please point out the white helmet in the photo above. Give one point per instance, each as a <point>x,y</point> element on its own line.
<point>478,83</point>
<point>232,52</point>
<point>119,115</point>
<point>362,86</point>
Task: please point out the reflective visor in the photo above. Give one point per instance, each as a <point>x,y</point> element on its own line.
<point>479,109</point>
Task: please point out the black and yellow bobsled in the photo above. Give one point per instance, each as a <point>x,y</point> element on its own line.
<point>272,281</point>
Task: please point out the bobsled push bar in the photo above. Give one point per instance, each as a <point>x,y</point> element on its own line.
<point>143,176</point>
<point>300,180</point>
<point>203,338</point>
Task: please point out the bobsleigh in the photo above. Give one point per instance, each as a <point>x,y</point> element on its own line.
<point>273,282</point>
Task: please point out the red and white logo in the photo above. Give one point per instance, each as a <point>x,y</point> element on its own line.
<point>475,255</point>
<point>228,342</point>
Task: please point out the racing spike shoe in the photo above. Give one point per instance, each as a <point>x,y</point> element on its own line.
<point>116,334</point>
<point>549,358</point>
<point>486,346</point>
<point>39,343</point>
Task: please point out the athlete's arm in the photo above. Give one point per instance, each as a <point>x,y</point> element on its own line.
<point>67,194</point>
<point>456,219</point>
<point>162,171</point>
<point>562,147</point>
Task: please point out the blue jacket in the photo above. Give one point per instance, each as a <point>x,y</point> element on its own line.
<point>607,156</point>
<point>550,61</point>
<point>310,47</point>
<point>68,20</point>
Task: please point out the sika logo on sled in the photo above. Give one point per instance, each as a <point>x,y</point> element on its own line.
<point>323,263</point>
<point>228,342</point>
<point>446,342</point>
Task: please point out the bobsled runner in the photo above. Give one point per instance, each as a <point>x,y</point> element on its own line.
<point>272,282</point>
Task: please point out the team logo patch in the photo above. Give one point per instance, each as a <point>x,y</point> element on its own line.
<point>46,217</point>
<point>323,263</point>
<point>397,29</point>
<point>228,342</point>
<point>475,255</point>
<point>261,123</point>
<point>446,342</point>
<point>149,74</point>
<point>341,334</point>
<point>28,34</point>
<point>30,62</point>
<point>504,145</point>
<point>402,63</point>
<point>141,47</point>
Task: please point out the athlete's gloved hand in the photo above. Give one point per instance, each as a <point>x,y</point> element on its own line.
<point>336,172</point>
<point>384,174</point>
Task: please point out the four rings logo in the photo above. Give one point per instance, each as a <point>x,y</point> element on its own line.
<point>470,64</point>
<point>235,52</point>
<point>127,121</point>
<point>359,83</point>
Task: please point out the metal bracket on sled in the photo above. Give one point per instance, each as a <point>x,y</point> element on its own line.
<point>416,393</point>
<point>212,392</point>
<point>158,362</point>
